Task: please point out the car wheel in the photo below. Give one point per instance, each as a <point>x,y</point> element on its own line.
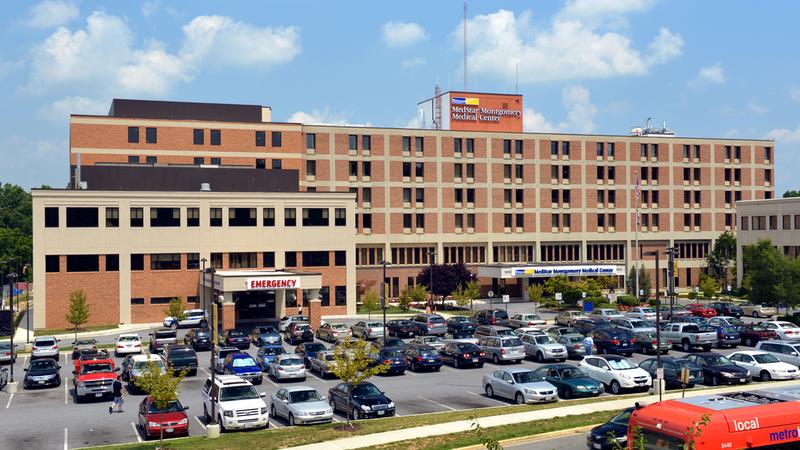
<point>455,363</point>
<point>749,342</point>
<point>356,414</point>
<point>706,348</point>
<point>291,420</point>
<point>519,398</point>
<point>272,411</point>
<point>539,357</point>
<point>755,314</point>
<point>615,387</point>
<point>686,346</point>
<point>221,424</point>
<point>765,376</point>
<point>489,391</point>
<point>495,359</point>
<point>567,393</point>
<point>203,324</point>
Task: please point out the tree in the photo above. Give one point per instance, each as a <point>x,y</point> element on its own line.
<point>764,268</point>
<point>405,299</point>
<point>78,313</point>
<point>162,387</point>
<point>176,309</point>
<point>465,294</point>
<point>722,256</point>
<point>708,285</point>
<point>354,363</point>
<point>446,278</point>
<point>789,194</point>
<point>535,293</point>
<point>371,301</point>
<point>412,294</point>
<point>571,291</point>
<point>16,225</point>
<point>644,281</point>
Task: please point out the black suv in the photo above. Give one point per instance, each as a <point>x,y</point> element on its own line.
<point>198,339</point>
<point>727,309</point>
<point>361,401</point>
<point>181,358</point>
<point>718,369</point>
<point>461,323</point>
<point>491,317</point>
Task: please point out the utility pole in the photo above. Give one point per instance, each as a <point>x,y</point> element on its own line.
<point>384,297</point>
<point>671,274</point>
<point>659,368</point>
<point>214,339</point>
<point>636,236</point>
<point>432,255</point>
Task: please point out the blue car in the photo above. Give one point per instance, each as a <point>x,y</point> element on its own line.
<point>265,334</point>
<point>267,353</point>
<point>727,335</point>
<point>614,340</point>
<point>243,366</point>
<point>308,350</point>
<point>423,357</point>
<point>394,358</point>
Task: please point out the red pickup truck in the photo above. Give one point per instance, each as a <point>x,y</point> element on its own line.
<point>94,378</point>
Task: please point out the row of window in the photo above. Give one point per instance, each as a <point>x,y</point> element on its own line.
<point>198,137</point>
<point>88,217</point>
<point>759,223</point>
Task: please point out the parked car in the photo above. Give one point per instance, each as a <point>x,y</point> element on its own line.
<point>42,373</point>
<point>285,321</point>
<point>701,310</point>
<point>172,420</point>
<point>586,326</point>
<point>718,369</point>
<point>393,343</point>
<point>198,338</point>
<point>786,351</point>
<point>431,341</point>
<point>307,350</point>
<point>676,311</point>
<point>236,402</point>
<point>492,330</point>
<point>243,366</point>
<point>491,317</point>
<point>754,333</point>
<point>45,347</point>
<point>672,371</point>
<point>645,343</point>
<point>574,345</point>
<point>127,344</point>
<point>422,356</point>
<point>7,354</point>
<point>642,313</point>
<point>606,313</point>
<point>460,336</point>
<point>526,320</point>
<point>502,348</point>
<point>617,373</point>
<point>570,381</point>
<point>367,330</point>
<point>727,335</point>
<point>614,340</point>
<point>725,320</point>
<point>265,335</point>
<point>361,401</point>
<point>402,328</point>
<point>236,338</point>
<point>134,366</point>
<point>91,355</point>
<point>764,366</point>
<point>543,348</point>
<point>521,331</point>
<point>519,384</point>
<point>461,324</point>
<point>287,366</point>
<point>393,358</point>
<point>300,405</point>
<point>333,332</point>
<point>689,336</point>
<point>181,358</point>
<point>461,354</point>
<point>322,363</point>
<point>83,344</point>
<point>267,353</point>
<point>3,378</point>
<point>568,317</point>
<point>222,353</point>
<point>192,318</point>
<point>298,332</point>
<point>430,324</point>
<point>94,378</point>
<point>634,325</point>
<point>755,310</point>
<point>557,330</point>
<point>612,434</point>
<point>727,309</point>
<point>784,330</point>
<point>162,337</point>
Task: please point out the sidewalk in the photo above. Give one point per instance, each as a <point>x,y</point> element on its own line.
<point>22,332</point>
<point>461,426</point>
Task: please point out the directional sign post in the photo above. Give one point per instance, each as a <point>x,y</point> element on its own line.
<point>490,294</point>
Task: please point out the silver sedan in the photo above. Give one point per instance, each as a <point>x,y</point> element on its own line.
<point>300,405</point>
<point>287,367</point>
<point>519,384</point>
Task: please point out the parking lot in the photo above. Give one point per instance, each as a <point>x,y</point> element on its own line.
<point>60,422</point>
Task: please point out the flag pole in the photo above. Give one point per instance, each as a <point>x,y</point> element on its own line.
<point>636,234</point>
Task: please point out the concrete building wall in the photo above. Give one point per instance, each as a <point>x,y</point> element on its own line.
<point>777,220</point>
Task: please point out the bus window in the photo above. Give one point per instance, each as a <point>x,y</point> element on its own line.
<point>654,440</point>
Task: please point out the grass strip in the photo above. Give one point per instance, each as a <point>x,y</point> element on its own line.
<point>52,331</point>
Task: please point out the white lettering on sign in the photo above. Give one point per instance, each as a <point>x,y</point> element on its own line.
<point>743,425</point>
<point>481,114</point>
<point>271,283</point>
<point>585,270</point>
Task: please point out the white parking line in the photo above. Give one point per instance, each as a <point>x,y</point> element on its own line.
<point>66,438</point>
<point>273,424</point>
<point>408,372</point>
<point>9,400</point>
<point>270,380</point>
<point>136,432</point>
<point>204,371</point>
<point>436,403</point>
<point>66,390</point>
<point>200,422</point>
<point>336,420</point>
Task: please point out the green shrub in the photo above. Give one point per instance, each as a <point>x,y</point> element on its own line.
<point>604,305</point>
<point>628,300</point>
<point>692,295</point>
<point>595,300</point>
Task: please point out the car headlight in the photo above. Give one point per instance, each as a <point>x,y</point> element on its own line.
<point>82,385</point>
<point>183,421</point>
<point>329,411</point>
<point>582,387</point>
<point>365,408</point>
<point>391,404</point>
<point>530,391</point>
<point>153,425</point>
<point>227,413</point>
<point>264,410</point>
<point>624,376</point>
<point>727,374</point>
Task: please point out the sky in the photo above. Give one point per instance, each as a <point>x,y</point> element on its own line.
<point>709,69</point>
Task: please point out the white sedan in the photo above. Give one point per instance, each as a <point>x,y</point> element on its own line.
<point>616,373</point>
<point>764,366</point>
<point>642,312</point>
<point>785,330</point>
<point>127,344</point>
<point>525,320</point>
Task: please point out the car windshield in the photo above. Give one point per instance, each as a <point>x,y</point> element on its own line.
<point>271,351</point>
<point>568,330</point>
<point>511,342</point>
<point>172,407</point>
<point>461,334</point>
<point>291,362</point>
<point>765,358</point>
<point>427,352</point>
<point>392,353</point>
<point>728,328</point>
<point>221,354</point>
<point>45,343</point>
<point>642,324</point>
<point>460,319</point>
<point>375,325</point>
<point>183,355</point>
<point>42,364</point>
<point>645,335</point>
<point>648,310</point>
<point>165,335</point>
<point>684,363</point>
<point>304,396</point>
<point>621,364</point>
<point>526,377</point>
<point>244,362</point>
<point>83,342</point>
<point>366,390</point>
<point>140,365</point>
<point>502,315</point>
<point>544,340</point>
<point>232,393</point>
<point>787,325</point>
<point>95,368</point>
<point>573,373</point>
<point>691,329</point>
<point>718,360</point>
<point>436,319</point>
<point>735,321</point>
<point>622,418</point>
<point>128,339</point>
<point>505,332</point>
<point>574,339</point>
<point>267,330</point>
<point>339,326</point>
<point>468,347</point>
<point>236,333</point>
<point>314,347</point>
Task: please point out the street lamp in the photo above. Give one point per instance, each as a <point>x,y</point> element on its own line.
<point>659,369</point>
<point>26,275</point>
<point>213,335</point>
<point>12,276</point>
<point>384,296</point>
<point>432,257</point>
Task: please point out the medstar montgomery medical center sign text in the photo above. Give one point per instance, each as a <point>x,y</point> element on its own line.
<point>472,113</point>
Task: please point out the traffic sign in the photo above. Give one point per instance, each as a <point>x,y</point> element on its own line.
<point>490,294</point>
<point>684,375</point>
<point>506,298</point>
<point>583,294</point>
<point>558,296</point>
<point>660,373</point>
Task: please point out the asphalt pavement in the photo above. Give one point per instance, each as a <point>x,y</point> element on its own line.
<point>570,442</point>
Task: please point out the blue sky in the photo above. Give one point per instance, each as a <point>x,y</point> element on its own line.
<point>710,69</point>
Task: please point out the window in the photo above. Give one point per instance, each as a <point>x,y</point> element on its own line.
<point>150,135</point>
<point>746,223</point>
<point>457,170</point>
<point>82,217</point>
<point>133,160</point>
<point>241,217</point>
<point>727,197</point>
<point>311,168</point>
<point>767,153</point>
<point>600,150</point>
<point>737,152</point>
<point>366,169</point>
<point>458,195</point>
<point>198,160</point>
<point>565,148</point>
<point>352,142</point>
<point>137,301</point>
<point>406,195</point>
<point>654,150</point>
<point>470,220</point>
<point>507,220</point>
<point>165,261</point>
<point>261,138</point>
<point>419,169</point>
<point>51,217</point>
<point>612,173</point>
<point>198,137</point>
<point>216,260</point>
<point>697,174</point>
<point>406,220</point>
<point>787,222</point>
<point>554,196</point>
<point>420,195</point>
<point>52,263</point>
<point>601,197</point>
<point>686,174</point>
<point>290,217</point>
<point>366,142</point>
<point>737,174</point>
<point>366,221</point>
<point>471,195</point>
<point>247,260</point>
<point>340,295</point>
<point>727,174</point>
<point>353,168</point>
<point>697,219</point>
<point>165,217</point>
<point>276,164</point>
<point>601,221</point>
<point>565,173</point>
<point>268,259</point>
<point>456,145</point>
<point>133,135</point>
<point>470,170</point>
<point>276,139</point>
<point>83,263</point>
<point>611,149</point>
<point>112,217</point>
<point>566,220</point>
<point>518,146</point>
<point>768,175</point>
<point>507,171</point>
<point>269,217</point>
<point>686,151</point>
<point>215,217</point>
<point>406,144</point>
<point>518,171</point>
<point>519,196</point>
<point>419,144</point>
<point>554,220</point>
<point>553,148</point>
<point>340,217</point>
<point>565,197</point>
<point>520,220</point>
<point>506,146</point>
<point>697,151</point>
<point>137,217</point>
<point>643,150</point>
<point>601,173</point>
<point>470,145</point>
<point>459,221</point>
<point>315,217</point>
<point>311,140</point>
<point>151,159</point>
<point>315,259</point>
<point>420,221</point>
<point>290,259</point>
<point>216,161</point>
<point>407,169</point>
<point>160,300</point>
<point>193,260</point>
<point>773,222</point>
<point>339,258</point>
<point>727,152</point>
<point>261,163</point>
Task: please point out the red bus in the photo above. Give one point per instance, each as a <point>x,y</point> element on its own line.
<point>756,419</point>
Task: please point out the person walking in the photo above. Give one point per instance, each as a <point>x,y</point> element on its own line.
<point>588,344</point>
<point>117,391</point>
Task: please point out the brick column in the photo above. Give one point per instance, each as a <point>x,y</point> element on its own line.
<point>228,316</point>
<point>315,313</point>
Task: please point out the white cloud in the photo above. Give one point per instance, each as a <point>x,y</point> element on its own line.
<point>609,13</point>
<point>580,110</point>
<point>414,122</point>
<point>785,135</point>
<point>403,34</point>
<point>709,75</point>
<point>570,48</point>
<point>60,109</point>
<point>150,8</point>
<point>412,62</point>
<point>757,109</point>
<point>533,121</point>
<point>323,117</point>
<point>794,93</point>
<point>104,54</point>
<point>51,13</point>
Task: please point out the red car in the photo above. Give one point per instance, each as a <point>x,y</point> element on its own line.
<point>173,419</point>
<point>701,311</point>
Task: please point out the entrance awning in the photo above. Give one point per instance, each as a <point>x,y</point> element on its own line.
<point>511,271</point>
<point>260,280</point>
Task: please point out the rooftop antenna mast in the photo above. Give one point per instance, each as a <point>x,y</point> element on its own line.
<point>465,46</point>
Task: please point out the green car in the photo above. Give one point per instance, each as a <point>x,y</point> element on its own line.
<point>570,381</point>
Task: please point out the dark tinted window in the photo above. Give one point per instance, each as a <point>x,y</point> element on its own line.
<point>198,137</point>
<point>51,217</point>
<point>82,217</point>
<point>52,263</point>
<point>340,258</point>
<point>261,138</point>
<point>151,135</point>
<point>133,135</point>
<point>112,263</point>
<point>315,259</point>
<point>216,137</point>
<point>137,261</point>
<point>276,139</point>
<point>83,263</point>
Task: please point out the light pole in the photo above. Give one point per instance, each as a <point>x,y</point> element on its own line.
<point>432,257</point>
<point>213,339</point>
<point>384,296</point>
<point>25,274</point>
<point>11,277</point>
<point>203,283</point>
<point>658,324</point>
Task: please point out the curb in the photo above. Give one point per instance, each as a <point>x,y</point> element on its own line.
<point>536,437</point>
